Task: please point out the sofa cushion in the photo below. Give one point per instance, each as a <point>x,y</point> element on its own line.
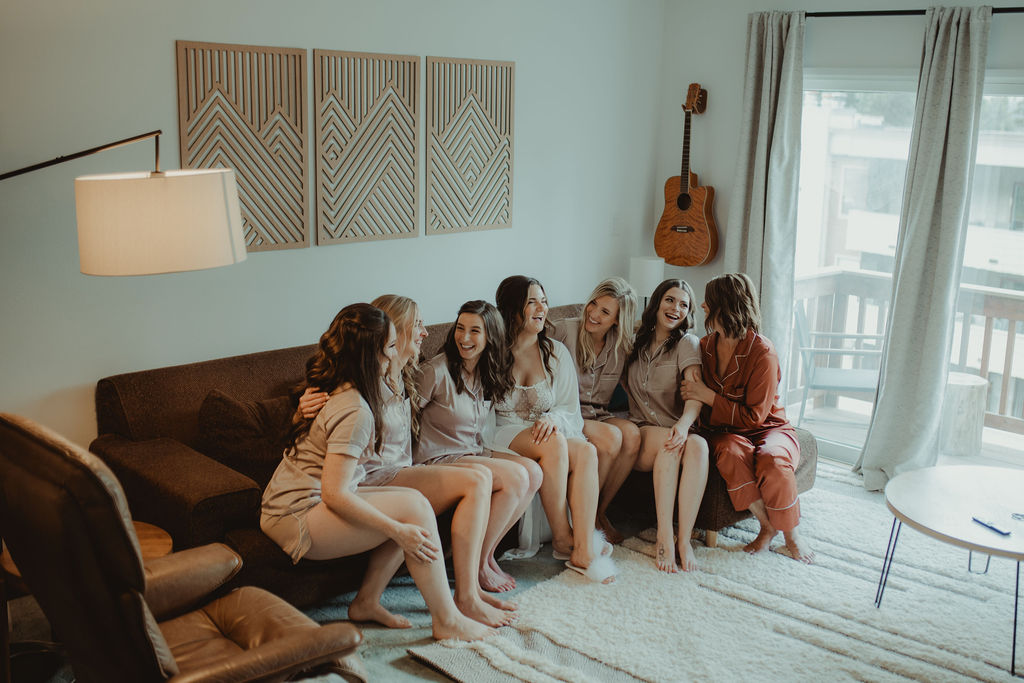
<point>247,436</point>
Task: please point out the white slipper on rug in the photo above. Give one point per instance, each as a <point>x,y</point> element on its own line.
<point>599,540</point>
<point>600,570</point>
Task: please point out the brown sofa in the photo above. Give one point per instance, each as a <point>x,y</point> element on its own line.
<point>157,429</point>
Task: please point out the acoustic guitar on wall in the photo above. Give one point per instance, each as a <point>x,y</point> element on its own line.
<point>686,234</point>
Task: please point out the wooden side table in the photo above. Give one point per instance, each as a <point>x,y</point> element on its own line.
<point>154,542</point>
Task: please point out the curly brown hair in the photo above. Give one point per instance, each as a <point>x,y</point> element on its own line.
<point>349,351</point>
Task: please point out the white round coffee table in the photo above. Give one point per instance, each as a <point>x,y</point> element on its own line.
<point>941,502</point>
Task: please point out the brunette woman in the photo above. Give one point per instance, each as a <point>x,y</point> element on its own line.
<point>456,390</point>
<point>600,341</point>
<point>664,353</point>
<point>754,446</point>
<point>317,505</point>
<point>540,420</point>
<point>467,488</point>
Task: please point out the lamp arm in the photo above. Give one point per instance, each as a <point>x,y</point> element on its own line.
<point>110,145</point>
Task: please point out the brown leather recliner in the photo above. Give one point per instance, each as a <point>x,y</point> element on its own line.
<point>65,520</point>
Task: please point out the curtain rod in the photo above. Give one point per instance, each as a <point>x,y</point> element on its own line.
<point>898,12</point>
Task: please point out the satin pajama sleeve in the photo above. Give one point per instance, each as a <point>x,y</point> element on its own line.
<point>751,408</point>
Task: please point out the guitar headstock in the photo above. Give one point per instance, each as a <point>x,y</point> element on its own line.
<point>696,99</point>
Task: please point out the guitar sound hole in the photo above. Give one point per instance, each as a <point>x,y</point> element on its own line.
<point>682,228</point>
<point>683,201</point>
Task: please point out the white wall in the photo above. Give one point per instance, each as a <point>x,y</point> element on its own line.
<point>597,132</point>
<point>76,74</point>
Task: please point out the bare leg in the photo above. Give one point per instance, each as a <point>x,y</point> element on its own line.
<point>332,537</point>
<point>385,560</point>
<point>796,546</point>
<point>553,458</point>
<point>665,468</point>
<point>616,475</point>
<point>767,532</point>
<point>666,478</point>
<point>583,494</point>
<point>511,491</point>
<point>468,489</point>
<point>692,481</point>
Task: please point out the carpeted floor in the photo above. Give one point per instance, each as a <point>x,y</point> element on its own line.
<point>766,617</point>
<point>739,617</point>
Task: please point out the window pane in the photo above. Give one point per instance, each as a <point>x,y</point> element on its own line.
<point>990,344</point>
<point>852,173</point>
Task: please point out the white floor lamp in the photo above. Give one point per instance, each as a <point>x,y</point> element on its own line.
<point>144,223</point>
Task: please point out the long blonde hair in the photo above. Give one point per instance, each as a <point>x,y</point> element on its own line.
<point>623,293</point>
<point>403,312</point>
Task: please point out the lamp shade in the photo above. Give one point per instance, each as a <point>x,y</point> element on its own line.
<point>645,274</point>
<point>146,223</point>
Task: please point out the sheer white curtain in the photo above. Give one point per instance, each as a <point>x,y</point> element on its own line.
<point>929,250</point>
<point>762,215</point>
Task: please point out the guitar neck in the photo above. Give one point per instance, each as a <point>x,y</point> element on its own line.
<point>684,173</point>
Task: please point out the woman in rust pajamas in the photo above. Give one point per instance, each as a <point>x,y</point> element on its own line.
<point>750,439</point>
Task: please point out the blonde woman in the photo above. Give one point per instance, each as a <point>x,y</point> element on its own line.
<point>466,487</point>
<point>600,340</point>
<point>540,419</point>
<point>664,353</point>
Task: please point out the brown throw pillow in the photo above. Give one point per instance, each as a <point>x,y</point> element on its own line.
<point>247,436</point>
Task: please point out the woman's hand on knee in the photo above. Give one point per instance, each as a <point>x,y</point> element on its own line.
<point>416,542</point>
<point>543,428</point>
<point>676,437</point>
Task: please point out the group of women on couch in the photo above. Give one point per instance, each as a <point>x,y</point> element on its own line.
<point>381,445</point>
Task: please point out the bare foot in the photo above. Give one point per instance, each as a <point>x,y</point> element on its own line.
<point>461,628</point>
<point>478,610</point>
<point>665,556</point>
<point>495,601</point>
<point>496,568</point>
<point>797,548</point>
<point>610,532</point>
<point>492,581</point>
<point>687,559</point>
<point>762,542</point>
<point>358,611</point>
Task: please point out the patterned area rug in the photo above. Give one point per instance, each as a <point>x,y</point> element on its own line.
<point>764,617</point>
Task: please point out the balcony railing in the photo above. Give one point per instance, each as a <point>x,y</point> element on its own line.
<point>988,322</point>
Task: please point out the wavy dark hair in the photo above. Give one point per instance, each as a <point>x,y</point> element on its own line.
<point>511,298</point>
<point>493,366</point>
<point>732,304</point>
<point>645,332</point>
<point>349,351</point>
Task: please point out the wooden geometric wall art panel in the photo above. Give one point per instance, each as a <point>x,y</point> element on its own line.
<point>469,145</point>
<point>366,124</point>
<point>244,107</point>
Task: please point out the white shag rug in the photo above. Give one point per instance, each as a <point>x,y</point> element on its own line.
<point>766,617</point>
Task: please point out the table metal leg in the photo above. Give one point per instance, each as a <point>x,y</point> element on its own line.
<point>1016,601</point>
<point>890,550</point>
